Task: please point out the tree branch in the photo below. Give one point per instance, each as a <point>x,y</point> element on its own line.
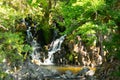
<point>2,27</point>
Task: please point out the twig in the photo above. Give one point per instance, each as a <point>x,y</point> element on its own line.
<point>3,27</point>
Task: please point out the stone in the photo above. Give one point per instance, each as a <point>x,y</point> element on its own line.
<point>68,74</point>
<point>90,72</point>
<point>83,71</point>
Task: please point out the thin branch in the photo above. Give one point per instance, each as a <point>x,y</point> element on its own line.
<point>2,27</point>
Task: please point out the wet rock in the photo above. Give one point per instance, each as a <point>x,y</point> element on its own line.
<point>46,72</point>
<point>87,74</point>
<point>31,71</point>
<point>90,73</point>
<point>83,71</point>
<point>69,74</point>
<point>55,73</point>
<point>91,78</point>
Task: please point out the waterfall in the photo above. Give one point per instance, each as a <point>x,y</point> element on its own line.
<point>54,47</point>
<point>36,50</point>
<point>31,41</point>
<point>36,54</point>
<point>29,37</point>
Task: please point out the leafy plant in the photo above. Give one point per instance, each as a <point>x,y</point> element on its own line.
<point>12,46</point>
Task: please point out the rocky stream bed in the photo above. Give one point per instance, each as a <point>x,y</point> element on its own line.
<point>30,71</point>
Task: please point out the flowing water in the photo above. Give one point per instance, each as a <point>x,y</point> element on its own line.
<point>65,72</point>
<point>54,47</point>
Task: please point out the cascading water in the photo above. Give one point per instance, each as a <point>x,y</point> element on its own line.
<point>54,47</point>
<point>29,37</point>
<point>36,50</point>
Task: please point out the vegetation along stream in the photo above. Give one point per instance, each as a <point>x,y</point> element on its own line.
<point>59,40</point>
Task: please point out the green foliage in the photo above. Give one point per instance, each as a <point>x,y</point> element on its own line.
<point>79,12</point>
<point>116,73</point>
<point>2,75</point>
<point>12,46</point>
<point>13,10</point>
<point>88,32</point>
<point>92,18</point>
<point>70,57</point>
<point>87,18</point>
<point>12,42</point>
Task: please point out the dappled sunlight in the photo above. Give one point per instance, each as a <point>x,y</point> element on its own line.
<point>59,39</point>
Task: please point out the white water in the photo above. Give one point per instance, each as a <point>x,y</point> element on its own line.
<point>36,54</point>
<point>54,47</point>
<point>36,50</point>
<point>29,37</point>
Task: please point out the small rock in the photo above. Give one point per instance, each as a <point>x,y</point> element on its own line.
<point>68,74</point>
<point>90,72</point>
<point>63,76</point>
<point>46,72</point>
<point>83,71</point>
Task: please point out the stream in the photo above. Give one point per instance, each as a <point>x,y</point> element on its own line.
<point>30,71</point>
<point>41,65</point>
<point>43,68</point>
